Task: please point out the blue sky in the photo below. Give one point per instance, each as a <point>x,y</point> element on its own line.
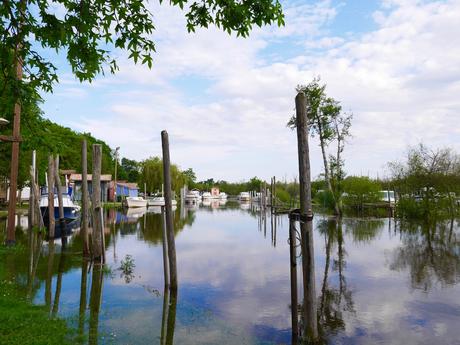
<point>225,101</point>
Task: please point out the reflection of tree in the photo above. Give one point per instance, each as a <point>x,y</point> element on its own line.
<point>431,252</point>
<point>334,300</point>
<point>153,230</point>
<point>363,230</point>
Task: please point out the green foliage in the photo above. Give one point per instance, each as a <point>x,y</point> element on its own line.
<point>359,190</point>
<point>46,138</point>
<point>89,32</point>
<point>129,170</point>
<point>325,199</point>
<point>327,122</point>
<point>151,173</point>
<point>427,183</point>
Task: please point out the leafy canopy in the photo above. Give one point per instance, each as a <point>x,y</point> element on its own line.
<point>89,30</point>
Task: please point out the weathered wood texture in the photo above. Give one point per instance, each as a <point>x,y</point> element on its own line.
<point>84,197</point>
<point>168,210</point>
<point>57,182</point>
<point>96,204</point>
<point>51,222</point>
<point>306,227</point>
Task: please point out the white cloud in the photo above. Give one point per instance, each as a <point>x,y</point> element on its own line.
<point>401,81</point>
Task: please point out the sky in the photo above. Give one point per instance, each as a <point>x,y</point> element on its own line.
<point>225,101</point>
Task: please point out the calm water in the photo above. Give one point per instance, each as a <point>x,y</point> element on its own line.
<point>377,281</point>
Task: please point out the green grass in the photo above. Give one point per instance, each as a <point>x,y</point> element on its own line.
<point>22,322</point>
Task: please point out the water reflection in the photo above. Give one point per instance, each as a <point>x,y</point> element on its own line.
<point>431,253</point>
<point>376,281</point>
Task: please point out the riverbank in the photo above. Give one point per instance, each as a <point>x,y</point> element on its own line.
<point>20,321</point>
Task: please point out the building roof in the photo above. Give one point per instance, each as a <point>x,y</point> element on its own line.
<point>128,184</point>
<point>77,177</point>
<point>68,171</point>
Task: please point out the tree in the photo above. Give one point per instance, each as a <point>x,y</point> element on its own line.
<point>359,190</point>
<point>151,173</point>
<point>129,170</point>
<point>89,30</point>
<point>327,121</point>
<point>428,182</point>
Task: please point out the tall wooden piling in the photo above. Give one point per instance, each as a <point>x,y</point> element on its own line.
<point>306,216</point>
<point>97,244</point>
<point>57,182</point>
<point>168,210</point>
<point>84,197</point>
<point>51,222</point>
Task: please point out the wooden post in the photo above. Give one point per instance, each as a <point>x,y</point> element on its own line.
<point>306,227</point>
<point>168,209</point>
<point>37,218</point>
<point>57,182</point>
<point>274,193</point>
<point>96,204</point>
<point>293,274</point>
<point>84,197</point>
<point>51,223</point>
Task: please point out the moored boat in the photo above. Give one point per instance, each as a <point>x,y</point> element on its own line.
<point>71,210</point>
<point>136,201</point>
<point>244,196</point>
<point>159,201</point>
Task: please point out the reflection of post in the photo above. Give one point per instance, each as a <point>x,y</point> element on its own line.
<point>59,282</point>
<point>306,226</point>
<point>165,248</point>
<point>171,317</point>
<point>82,310</point>
<point>49,274</point>
<point>84,197</point>
<point>164,318</point>
<point>293,266</point>
<point>168,207</point>
<point>95,303</point>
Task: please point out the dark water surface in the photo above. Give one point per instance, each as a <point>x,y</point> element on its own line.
<point>377,281</point>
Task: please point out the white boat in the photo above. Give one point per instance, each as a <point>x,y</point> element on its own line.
<point>193,196</point>
<point>71,211</point>
<point>223,196</point>
<point>206,195</point>
<point>159,201</point>
<point>136,201</point>
<point>244,196</point>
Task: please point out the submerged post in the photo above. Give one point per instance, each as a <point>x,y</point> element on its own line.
<point>84,197</point>
<point>293,275</point>
<point>306,218</point>
<point>165,249</point>
<point>168,209</point>
<point>97,244</point>
<point>51,224</point>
